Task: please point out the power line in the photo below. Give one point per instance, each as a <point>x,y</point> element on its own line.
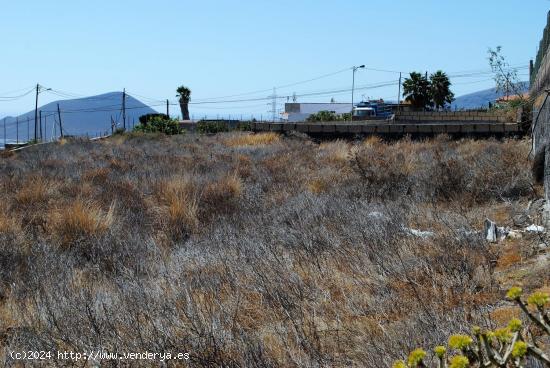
<point>17,90</point>
<point>278,87</point>
<point>11,98</point>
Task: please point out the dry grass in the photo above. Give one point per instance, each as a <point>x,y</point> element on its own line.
<point>227,187</point>
<point>34,190</point>
<point>337,151</point>
<point>7,222</point>
<point>317,186</point>
<point>509,258</point>
<point>502,315</point>
<point>253,250</point>
<point>179,195</point>
<point>257,139</point>
<point>80,220</point>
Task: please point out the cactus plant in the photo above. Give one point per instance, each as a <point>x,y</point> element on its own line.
<point>504,347</point>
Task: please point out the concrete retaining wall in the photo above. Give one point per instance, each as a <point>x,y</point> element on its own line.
<point>447,116</point>
<point>540,70</point>
<point>392,129</point>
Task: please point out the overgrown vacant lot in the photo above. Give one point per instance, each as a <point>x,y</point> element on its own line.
<point>255,250</point>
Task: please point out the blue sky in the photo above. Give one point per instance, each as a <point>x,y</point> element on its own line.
<point>221,48</point>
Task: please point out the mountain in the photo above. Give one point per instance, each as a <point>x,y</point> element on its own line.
<point>83,116</point>
<point>482,98</point>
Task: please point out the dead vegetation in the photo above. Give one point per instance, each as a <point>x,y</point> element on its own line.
<point>253,250</point>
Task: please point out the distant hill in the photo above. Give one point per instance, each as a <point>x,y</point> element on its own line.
<point>83,116</point>
<point>482,98</point>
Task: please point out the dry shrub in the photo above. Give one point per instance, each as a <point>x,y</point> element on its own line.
<point>220,196</point>
<point>8,224</point>
<point>52,164</point>
<point>510,257</point>
<point>253,139</point>
<point>335,152</point>
<point>442,169</point>
<point>97,175</point>
<point>244,166</point>
<point>372,141</point>
<point>317,186</point>
<point>79,220</point>
<point>82,189</point>
<point>119,165</point>
<point>502,315</point>
<point>6,153</point>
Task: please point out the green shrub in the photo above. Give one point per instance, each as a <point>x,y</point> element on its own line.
<point>212,127</point>
<point>144,119</point>
<point>159,124</point>
<point>328,116</point>
<point>244,126</point>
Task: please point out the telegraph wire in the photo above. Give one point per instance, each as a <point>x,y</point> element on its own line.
<point>12,98</point>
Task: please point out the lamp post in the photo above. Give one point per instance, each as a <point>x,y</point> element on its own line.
<point>38,90</point>
<point>354,68</point>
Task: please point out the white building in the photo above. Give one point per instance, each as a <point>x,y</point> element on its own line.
<point>296,112</point>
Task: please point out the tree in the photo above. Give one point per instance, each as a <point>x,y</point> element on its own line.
<point>440,89</point>
<point>184,95</point>
<point>416,90</point>
<point>506,78</point>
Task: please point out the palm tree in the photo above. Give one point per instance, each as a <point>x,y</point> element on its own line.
<point>441,92</point>
<point>184,95</point>
<point>416,90</point>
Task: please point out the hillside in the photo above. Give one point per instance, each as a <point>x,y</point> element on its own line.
<point>482,98</point>
<point>83,116</point>
<point>261,250</point>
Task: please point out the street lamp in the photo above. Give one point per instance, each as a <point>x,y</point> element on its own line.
<point>38,90</point>
<point>354,68</point>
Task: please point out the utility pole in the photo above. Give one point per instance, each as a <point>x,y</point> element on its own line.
<point>36,113</point>
<point>60,123</point>
<point>426,84</point>
<point>273,105</point>
<point>112,125</point>
<point>40,119</point>
<point>124,108</point>
<point>167,108</point>
<point>399,94</point>
<point>45,127</point>
<point>354,68</point>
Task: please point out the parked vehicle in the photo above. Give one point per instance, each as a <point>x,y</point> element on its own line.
<point>372,110</point>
